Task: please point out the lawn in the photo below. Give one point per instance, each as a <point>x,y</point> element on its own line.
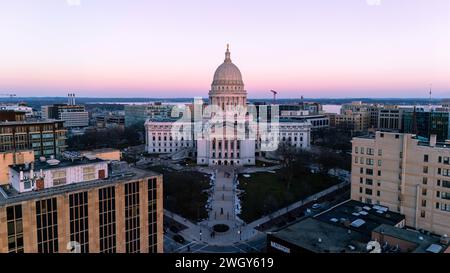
<point>184,192</point>
<point>266,192</point>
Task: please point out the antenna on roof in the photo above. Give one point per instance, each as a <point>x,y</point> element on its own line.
<point>431,87</point>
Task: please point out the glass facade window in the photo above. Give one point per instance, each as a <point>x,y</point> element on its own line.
<point>132,219</point>
<point>152,216</point>
<point>79,226</point>
<point>47,225</point>
<point>15,229</point>
<point>107,220</point>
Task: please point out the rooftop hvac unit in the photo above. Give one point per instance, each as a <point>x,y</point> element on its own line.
<point>53,162</point>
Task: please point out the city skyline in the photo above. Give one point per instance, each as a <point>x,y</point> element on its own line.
<point>359,48</point>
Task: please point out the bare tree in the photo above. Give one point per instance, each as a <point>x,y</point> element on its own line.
<point>288,154</point>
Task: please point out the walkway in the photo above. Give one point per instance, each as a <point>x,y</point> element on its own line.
<point>223,205</point>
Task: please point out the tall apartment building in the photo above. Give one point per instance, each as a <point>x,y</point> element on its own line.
<point>81,205</point>
<point>407,174</point>
<point>45,138</point>
<point>138,114</point>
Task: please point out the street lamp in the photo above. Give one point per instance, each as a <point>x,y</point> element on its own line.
<point>240,235</point>
<point>200,235</point>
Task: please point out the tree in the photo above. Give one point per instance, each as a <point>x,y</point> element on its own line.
<point>288,154</point>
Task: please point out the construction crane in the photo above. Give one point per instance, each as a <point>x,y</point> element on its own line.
<point>274,95</point>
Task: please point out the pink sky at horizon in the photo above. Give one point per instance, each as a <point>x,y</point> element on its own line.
<point>319,49</point>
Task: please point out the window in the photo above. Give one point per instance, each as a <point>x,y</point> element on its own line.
<point>59,177</point>
<point>425,158</point>
<point>107,219</point>
<point>79,226</point>
<point>445,195</point>
<point>422,214</point>
<point>445,184</point>
<point>424,192</point>
<point>132,230</point>
<point>14,225</point>
<point>425,169</point>
<point>88,173</point>
<point>379,172</point>
<point>369,191</point>
<point>369,161</point>
<point>369,182</point>
<point>380,152</point>
<point>369,171</point>
<point>424,180</point>
<point>360,180</point>
<point>152,216</point>
<point>379,162</point>
<point>424,203</point>
<point>445,207</point>
<point>447,160</point>
<point>378,193</point>
<point>47,225</point>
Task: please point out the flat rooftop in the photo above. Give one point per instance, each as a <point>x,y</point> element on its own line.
<point>319,237</point>
<point>423,241</point>
<point>38,165</point>
<point>348,224</point>
<point>8,195</point>
<point>360,217</point>
<point>30,122</point>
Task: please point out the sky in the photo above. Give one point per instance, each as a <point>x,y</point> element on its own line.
<point>171,48</point>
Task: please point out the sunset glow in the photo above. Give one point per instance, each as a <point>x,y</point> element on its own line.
<point>320,48</point>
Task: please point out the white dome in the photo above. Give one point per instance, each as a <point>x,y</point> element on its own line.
<point>227,73</point>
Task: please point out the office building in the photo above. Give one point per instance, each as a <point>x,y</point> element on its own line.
<point>110,121</point>
<point>390,119</point>
<point>73,115</point>
<point>139,113</point>
<point>427,123</point>
<point>44,137</point>
<point>81,205</point>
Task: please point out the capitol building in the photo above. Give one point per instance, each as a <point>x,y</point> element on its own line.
<point>227,130</point>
